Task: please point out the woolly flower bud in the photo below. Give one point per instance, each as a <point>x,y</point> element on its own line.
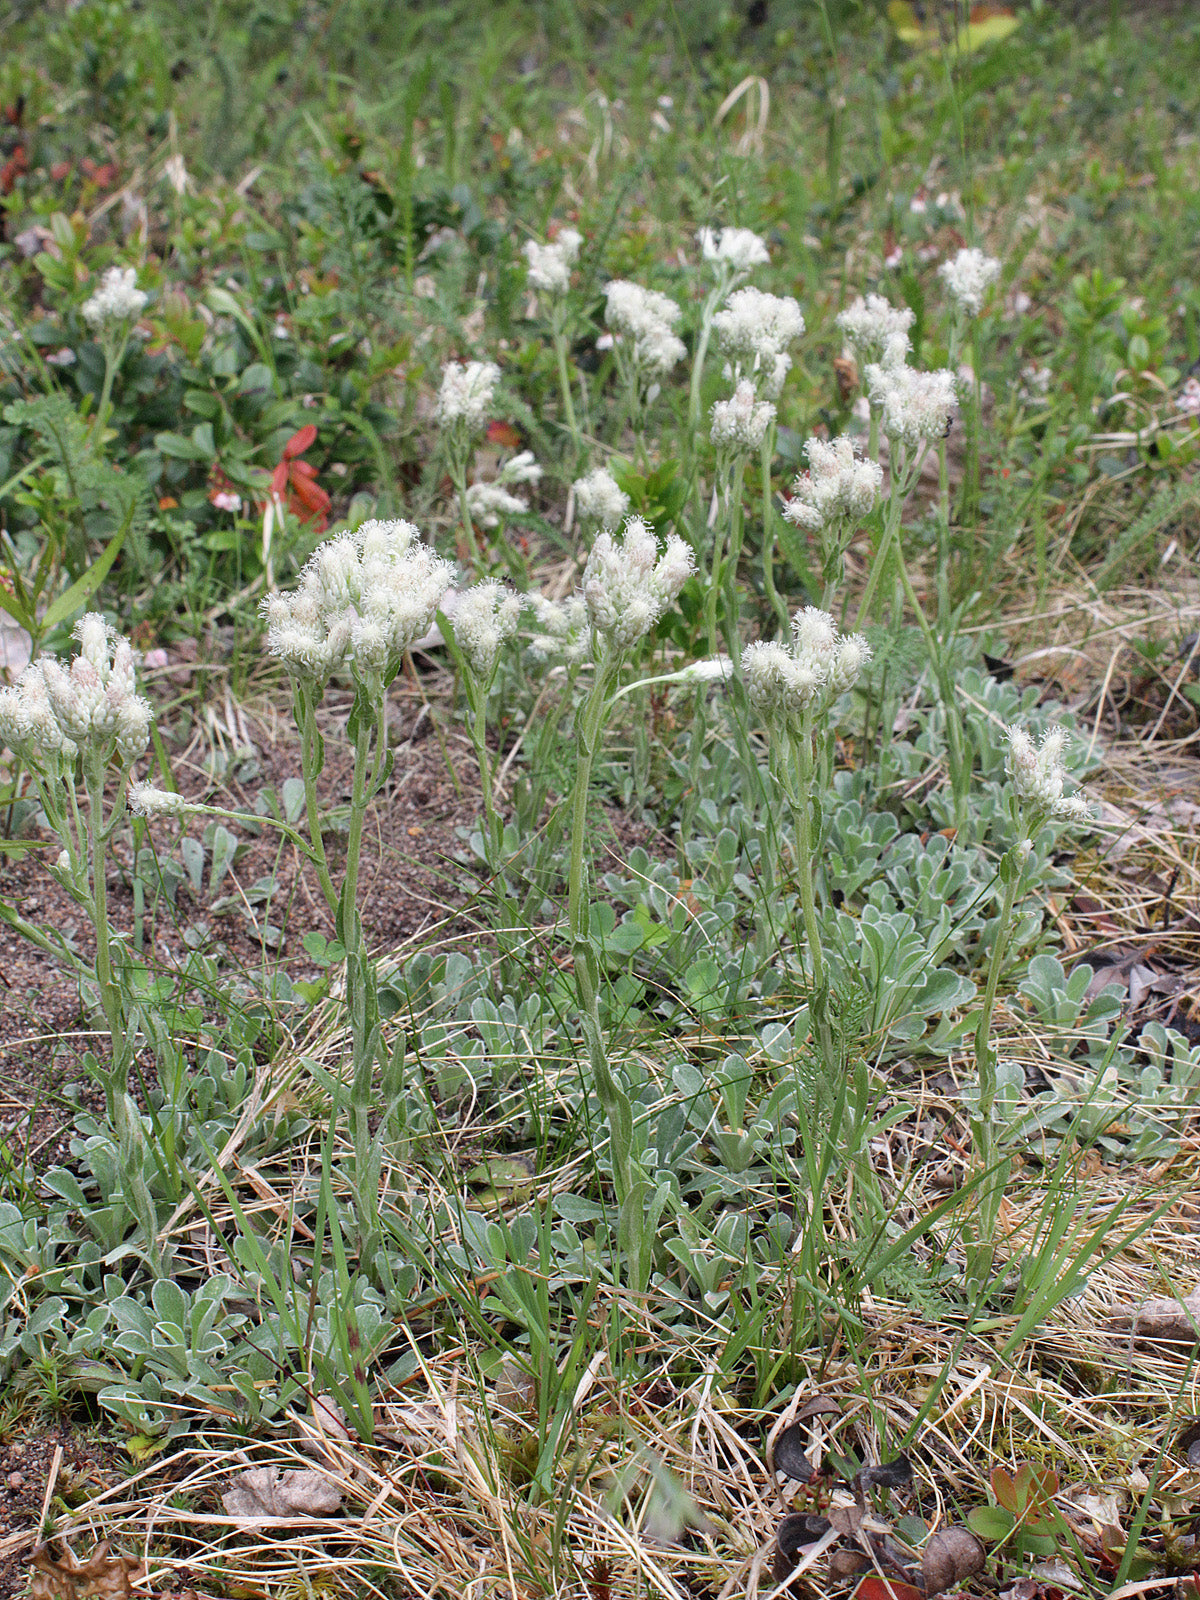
<point>485,616</point>
<point>362,599</point>
<point>566,629</point>
<point>1038,776</point>
<point>488,502</point>
<point>599,498</point>
<point>914,405</point>
<point>734,248</point>
<point>647,318</point>
<point>118,299</point>
<point>550,264</point>
<point>968,277</point>
<point>521,468</point>
<point>147,801</point>
<point>466,394</point>
<point>629,585</point>
<point>740,424</point>
<point>838,484</point>
<point>783,684</point>
<point>133,728</point>
<point>869,323</point>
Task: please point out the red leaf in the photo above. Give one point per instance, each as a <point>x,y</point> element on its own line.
<point>279,478</point>
<point>299,442</point>
<point>877,1588</point>
<point>503,433</point>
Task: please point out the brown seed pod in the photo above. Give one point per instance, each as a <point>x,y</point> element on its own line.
<point>951,1556</point>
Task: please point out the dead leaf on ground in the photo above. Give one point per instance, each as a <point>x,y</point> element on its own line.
<point>267,1492</point>
<point>62,1577</point>
<point>1166,1320</point>
<point>951,1556</point>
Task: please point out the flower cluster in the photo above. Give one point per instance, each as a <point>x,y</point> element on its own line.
<point>733,250</point>
<point>739,425</point>
<point>648,319</point>
<point>628,585</point>
<point>786,684</point>
<point>55,711</point>
<point>838,484</point>
<point>913,405</point>
<point>599,498</point>
<point>566,630</point>
<point>145,800</point>
<point>968,277</point>
<point>484,617</point>
<point>466,395</point>
<point>1038,775</point>
<point>488,502</point>
<point>118,299</point>
<point>550,264</point>
<point>870,324</point>
<point>755,330</point>
<point>362,599</point>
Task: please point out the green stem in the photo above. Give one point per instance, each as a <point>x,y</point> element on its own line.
<point>311,762</point>
<point>564,382</point>
<point>802,813</point>
<point>768,533</point>
<point>943,539</point>
<point>112,361</point>
<point>94,779</point>
<point>735,511</point>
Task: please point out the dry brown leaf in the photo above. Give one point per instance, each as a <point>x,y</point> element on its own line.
<point>1172,1321</point>
<point>267,1492</point>
<point>103,1577</point>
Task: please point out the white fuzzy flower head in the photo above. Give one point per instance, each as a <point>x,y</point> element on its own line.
<point>465,396</point>
<point>739,425</point>
<point>838,486</point>
<point>869,324</point>
<point>118,299</point>
<point>550,264</point>
<point>913,405</point>
<point>733,250</point>
<point>646,319</point>
<point>968,277</point>
<point>147,801</point>
<point>787,684</point>
<point>628,584</point>
<point>1038,778</point>
<point>755,330</point>
<point>56,710</point>
<point>521,468</point>
<point>566,631</point>
<point>485,616</point>
<point>361,601</point>
<point>487,503</point>
<point>599,498</point>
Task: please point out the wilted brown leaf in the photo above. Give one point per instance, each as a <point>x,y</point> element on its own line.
<point>1172,1321</point>
<point>951,1556</point>
<point>267,1492</point>
<point>62,1577</point>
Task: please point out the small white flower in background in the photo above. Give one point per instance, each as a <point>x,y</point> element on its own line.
<point>968,277</point>
<point>488,502</point>
<point>647,318</point>
<point>754,331</point>
<point>465,396</point>
<point>732,249</point>
<point>739,425</point>
<point>1035,383</point>
<point>566,630</point>
<point>628,584</point>
<point>550,264</point>
<point>226,500</point>
<point>56,710</point>
<point>362,600</point>
<point>147,801</point>
<point>118,299</point>
<point>484,617</point>
<point>521,468</point>
<point>838,484</point>
<point>786,683</point>
<point>914,405</point>
<point>599,498</point>
<point>1038,777</point>
<point>869,324</point>
<point>1188,398</point>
